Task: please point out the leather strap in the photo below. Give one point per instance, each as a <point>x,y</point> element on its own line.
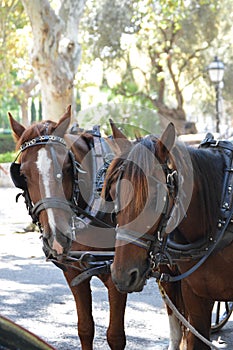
<point>209,141</point>
<point>94,271</point>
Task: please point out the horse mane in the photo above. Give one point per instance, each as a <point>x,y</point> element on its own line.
<point>208,169</point>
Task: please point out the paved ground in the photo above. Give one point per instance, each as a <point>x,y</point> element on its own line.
<point>34,293</point>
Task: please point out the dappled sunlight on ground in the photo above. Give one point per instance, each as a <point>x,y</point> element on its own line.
<point>34,293</point>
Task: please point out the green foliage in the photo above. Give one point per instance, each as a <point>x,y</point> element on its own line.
<point>165,46</point>
<point>40,111</point>
<point>15,67</point>
<point>7,157</point>
<point>7,143</point>
<point>8,104</point>
<point>133,119</point>
<point>12,29</point>
<point>106,20</point>
<point>158,48</point>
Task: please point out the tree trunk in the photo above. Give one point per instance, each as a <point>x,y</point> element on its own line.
<point>24,110</point>
<point>175,115</point>
<point>56,52</point>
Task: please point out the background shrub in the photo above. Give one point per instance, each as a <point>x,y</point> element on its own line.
<point>7,157</point>
<point>7,143</point>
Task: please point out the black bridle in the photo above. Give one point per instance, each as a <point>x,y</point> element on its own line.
<point>149,241</point>
<point>158,244</point>
<point>97,262</point>
<point>20,181</point>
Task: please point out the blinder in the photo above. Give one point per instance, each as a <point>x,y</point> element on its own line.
<point>18,179</point>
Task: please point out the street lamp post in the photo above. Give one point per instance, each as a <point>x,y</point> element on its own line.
<point>216,73</point>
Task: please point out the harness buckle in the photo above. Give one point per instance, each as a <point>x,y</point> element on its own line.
<point>171,177</point>
<point>159,235</point>
<point>215,144</point>
<point>164,277</point>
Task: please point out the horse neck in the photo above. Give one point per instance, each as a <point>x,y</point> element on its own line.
<point>203,211</point>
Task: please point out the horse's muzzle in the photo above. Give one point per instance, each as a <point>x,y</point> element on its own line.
<point>128,281</point>
<point>62,242</point>
<point>55,247</point>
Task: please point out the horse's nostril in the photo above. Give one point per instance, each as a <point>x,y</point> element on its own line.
<point>133,277</point>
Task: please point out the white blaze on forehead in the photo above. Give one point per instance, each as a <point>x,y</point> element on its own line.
<point>44,166</point>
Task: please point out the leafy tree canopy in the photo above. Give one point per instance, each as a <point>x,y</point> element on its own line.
<point>158,50</point>
<point>149,53</point>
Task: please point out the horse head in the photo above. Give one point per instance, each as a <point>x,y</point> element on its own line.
<point>45,171</point>
<point>137,182</point>
<point>57,172</point>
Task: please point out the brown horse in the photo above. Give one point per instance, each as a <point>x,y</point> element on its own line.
<point>174,205</point>
<point>57,181</point>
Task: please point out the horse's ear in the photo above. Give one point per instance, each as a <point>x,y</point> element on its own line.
<point>63,123</point>
<point>116,133</point>
<point>70,139</point>
<point>16,127</point>
<point>166,142</point>
<point>119,139</point>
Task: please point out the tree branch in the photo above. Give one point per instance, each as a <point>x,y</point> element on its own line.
<point>193,55</point>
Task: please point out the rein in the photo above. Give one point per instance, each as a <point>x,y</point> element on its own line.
<point>90,264</point>
<point>213,345</point>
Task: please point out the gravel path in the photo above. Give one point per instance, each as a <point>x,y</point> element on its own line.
<point>34,292</point>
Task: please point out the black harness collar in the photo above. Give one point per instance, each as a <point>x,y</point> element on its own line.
<point>102,156</point>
